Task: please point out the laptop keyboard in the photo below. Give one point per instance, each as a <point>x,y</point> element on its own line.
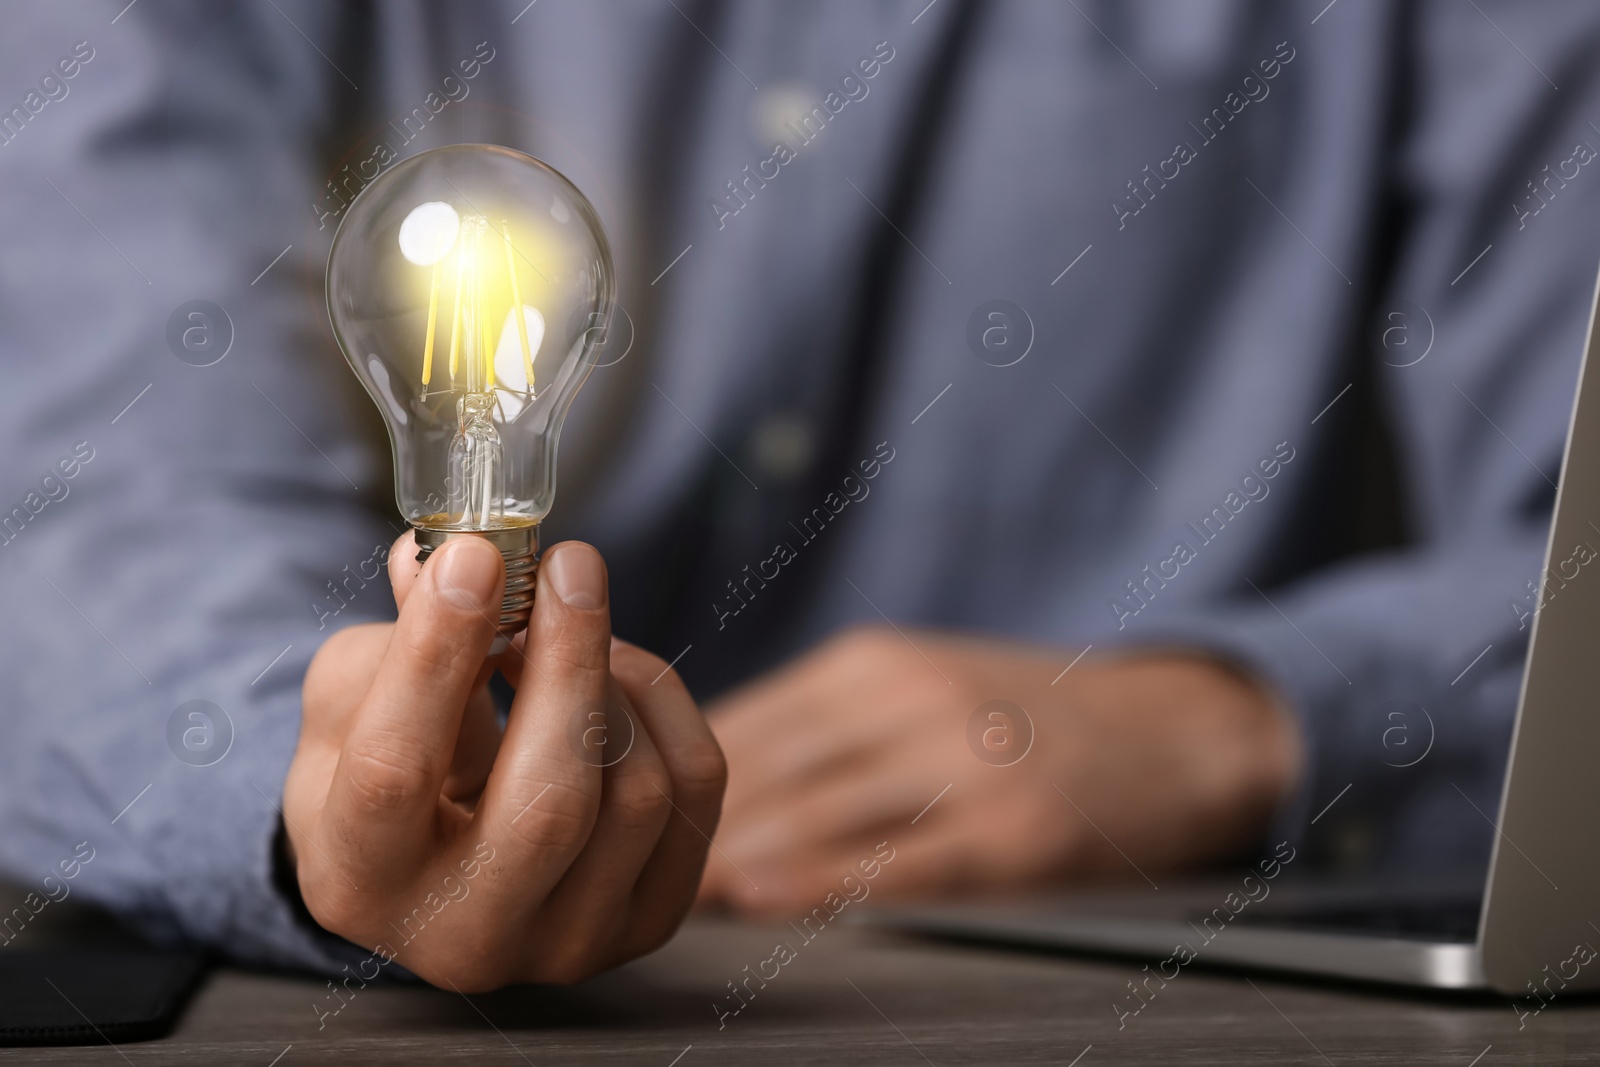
<point>1450,919</point>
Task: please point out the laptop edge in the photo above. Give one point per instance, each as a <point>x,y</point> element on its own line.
<point>1541,904</point>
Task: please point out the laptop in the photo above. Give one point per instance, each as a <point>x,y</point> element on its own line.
<point>1532,926</point>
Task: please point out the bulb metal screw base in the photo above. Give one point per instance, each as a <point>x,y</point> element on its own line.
<point>519,547</point>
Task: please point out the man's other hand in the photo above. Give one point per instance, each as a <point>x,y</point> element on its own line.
<point>1127,767</point>
<point>482,859</point>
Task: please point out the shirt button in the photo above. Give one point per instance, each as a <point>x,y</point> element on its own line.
<point>783,445</point>
<point>776,111</point>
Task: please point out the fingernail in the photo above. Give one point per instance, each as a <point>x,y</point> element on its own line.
<point>577,575</point>
<point>467,576</point>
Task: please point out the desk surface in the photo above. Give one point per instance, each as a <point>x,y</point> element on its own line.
<point>853,996</point>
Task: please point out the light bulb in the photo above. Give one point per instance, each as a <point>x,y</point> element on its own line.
<point>469,287</point>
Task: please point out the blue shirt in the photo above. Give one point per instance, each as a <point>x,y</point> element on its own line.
<point>1245,328</point>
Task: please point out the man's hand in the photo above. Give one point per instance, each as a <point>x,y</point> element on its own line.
<point>1138,765</point>
<point>480,859</point>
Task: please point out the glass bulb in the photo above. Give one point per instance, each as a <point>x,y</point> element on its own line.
<point>469,287</point>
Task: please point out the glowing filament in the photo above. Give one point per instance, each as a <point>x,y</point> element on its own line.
<point>478,289</point>
<point>433,317</point>
<point>516,304</point>
<point>485,353</point>
<point>455,319</point>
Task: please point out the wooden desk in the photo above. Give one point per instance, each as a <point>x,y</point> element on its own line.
<point>853,996</point>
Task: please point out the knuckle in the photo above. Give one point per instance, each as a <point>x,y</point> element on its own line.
<point>466,971</point>
<point>560,817</point>
<point>867,635</point>
<point>332,903</point>
<point>327,674</point>
<point>656,935</point>
<point>382,779</point>
<point>568,961</point>
<point>576,649</point>
<point>434,647</point>
<point>340,642</point>
<point>640,798</point>
<point>701,770</point>
<point>861,645</point>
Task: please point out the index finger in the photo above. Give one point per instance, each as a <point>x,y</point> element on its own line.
<point>385,790</point>
<point>403,567</point>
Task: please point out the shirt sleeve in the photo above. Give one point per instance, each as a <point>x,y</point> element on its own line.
<point>190,493</point>
<point>1404,667</point>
